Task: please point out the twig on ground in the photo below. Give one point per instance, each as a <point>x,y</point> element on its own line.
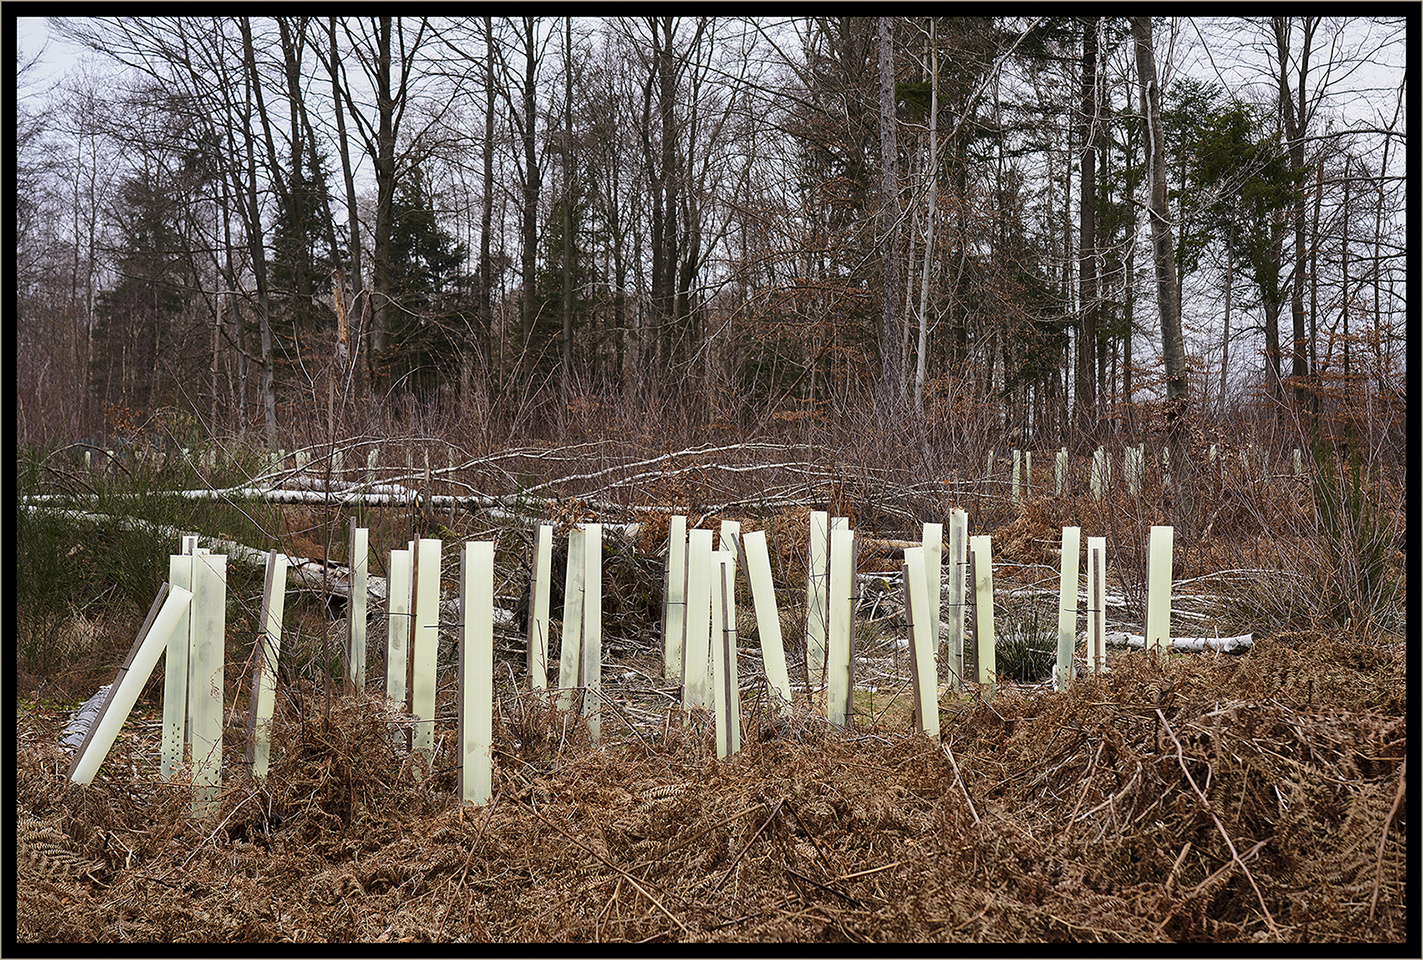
<point>959,777</point>
<point>1383,837</point>
<point>1235,855</point>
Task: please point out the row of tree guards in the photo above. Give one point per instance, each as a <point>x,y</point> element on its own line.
<point>1133,459</point>
<point>188,622</point>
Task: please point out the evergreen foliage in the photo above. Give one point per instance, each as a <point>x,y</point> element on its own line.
<point>433,296</point>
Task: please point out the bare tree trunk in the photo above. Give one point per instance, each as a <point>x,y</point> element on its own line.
<point>1087,407</point>
<point>530,212</point>
<point>253,230</point>
<point>353,225</point>
<point>385,197</point>
<point>892,358</point>
<point>1229,296</point>
<point>486,212</point>
<point>1294,117</point>
<point>1167,291</point>
<point>666,252</point>
<point>568,249</point>
<point>921,365</point>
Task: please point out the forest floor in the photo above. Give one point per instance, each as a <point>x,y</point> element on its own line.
<point>1204,797</point>
<point>1207,797</point>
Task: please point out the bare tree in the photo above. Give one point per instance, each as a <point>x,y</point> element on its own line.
<point>1086,393</point>
<point>891,349</point>
<point>386,49</point>
<point>1168,304</point>
<point>932,176</point>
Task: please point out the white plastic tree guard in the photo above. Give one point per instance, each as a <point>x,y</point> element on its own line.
<point>425,645</point>
<point>933,579</point>
<point>921,644</point>
<point>726,696</point>
<point>1059,473</point>
<point>1017,474</point>
<point>153,639</point>
<point>356,607</point>
<point>1101,473</point>
<point>1096,603</point>
<point>1067,605</point>
<point>205,677</point>
<point>1158,590</point>
<point>581,652</point>
<point>957,573</point>
<point>175,685</point>
<point>397,660</point>
<point>768,618</point>
<point>570,647</point>
<point>80,730</point>
<point>476,710</point>
<point>730,539</point>
<point>536,636</point>
<point>593,627</point>
<point>1133,459</point>
<point>981,548</point>
<point>817,617</point>
<point>264,671</point>
<point>696,649</point>
<point>674,603</point>
<point>841,626</point>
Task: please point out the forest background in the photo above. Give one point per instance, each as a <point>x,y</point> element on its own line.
<point>295,230</point>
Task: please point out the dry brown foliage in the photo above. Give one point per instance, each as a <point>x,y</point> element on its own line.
<point>1206,798</point>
